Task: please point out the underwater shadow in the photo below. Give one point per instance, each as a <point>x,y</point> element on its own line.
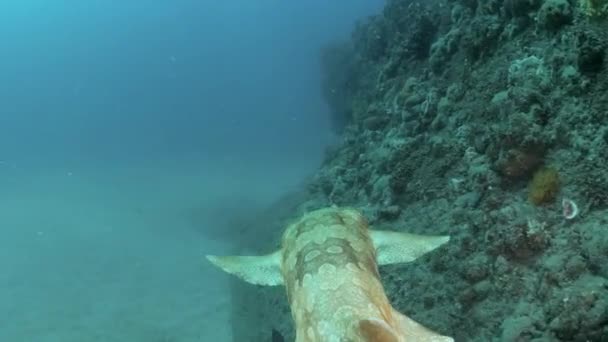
<point>261,313</point>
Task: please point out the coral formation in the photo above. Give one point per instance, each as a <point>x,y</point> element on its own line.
<point>594,8</point>
<point>544,186</point>
<point>520,163</point>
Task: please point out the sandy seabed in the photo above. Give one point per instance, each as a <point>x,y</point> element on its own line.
<point>116,253</point>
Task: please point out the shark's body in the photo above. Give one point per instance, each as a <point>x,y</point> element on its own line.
<point>328,264</point>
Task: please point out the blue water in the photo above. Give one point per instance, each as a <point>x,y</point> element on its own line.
<point>129,131</point>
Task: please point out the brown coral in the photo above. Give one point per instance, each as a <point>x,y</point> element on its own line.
<point>544,186</point>
<point>519,163</point>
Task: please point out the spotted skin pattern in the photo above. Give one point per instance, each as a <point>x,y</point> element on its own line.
<point>330,275</point>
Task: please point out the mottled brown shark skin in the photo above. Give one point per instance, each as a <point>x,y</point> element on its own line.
<point>328,264</point>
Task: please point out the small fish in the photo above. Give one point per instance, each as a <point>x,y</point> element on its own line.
<point>328,263</point>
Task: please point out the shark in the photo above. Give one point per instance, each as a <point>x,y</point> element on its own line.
<point>328,262</point>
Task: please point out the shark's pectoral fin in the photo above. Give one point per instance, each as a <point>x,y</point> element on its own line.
<point>395,247</point>
<point>414,331</point>
<point>259,270</point>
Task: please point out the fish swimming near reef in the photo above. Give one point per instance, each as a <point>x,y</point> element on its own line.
<point>328,263</point>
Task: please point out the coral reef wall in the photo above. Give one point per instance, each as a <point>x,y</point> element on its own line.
<point>486,120</point>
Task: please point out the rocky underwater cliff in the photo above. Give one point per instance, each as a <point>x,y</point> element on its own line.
<point>486,120</point>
